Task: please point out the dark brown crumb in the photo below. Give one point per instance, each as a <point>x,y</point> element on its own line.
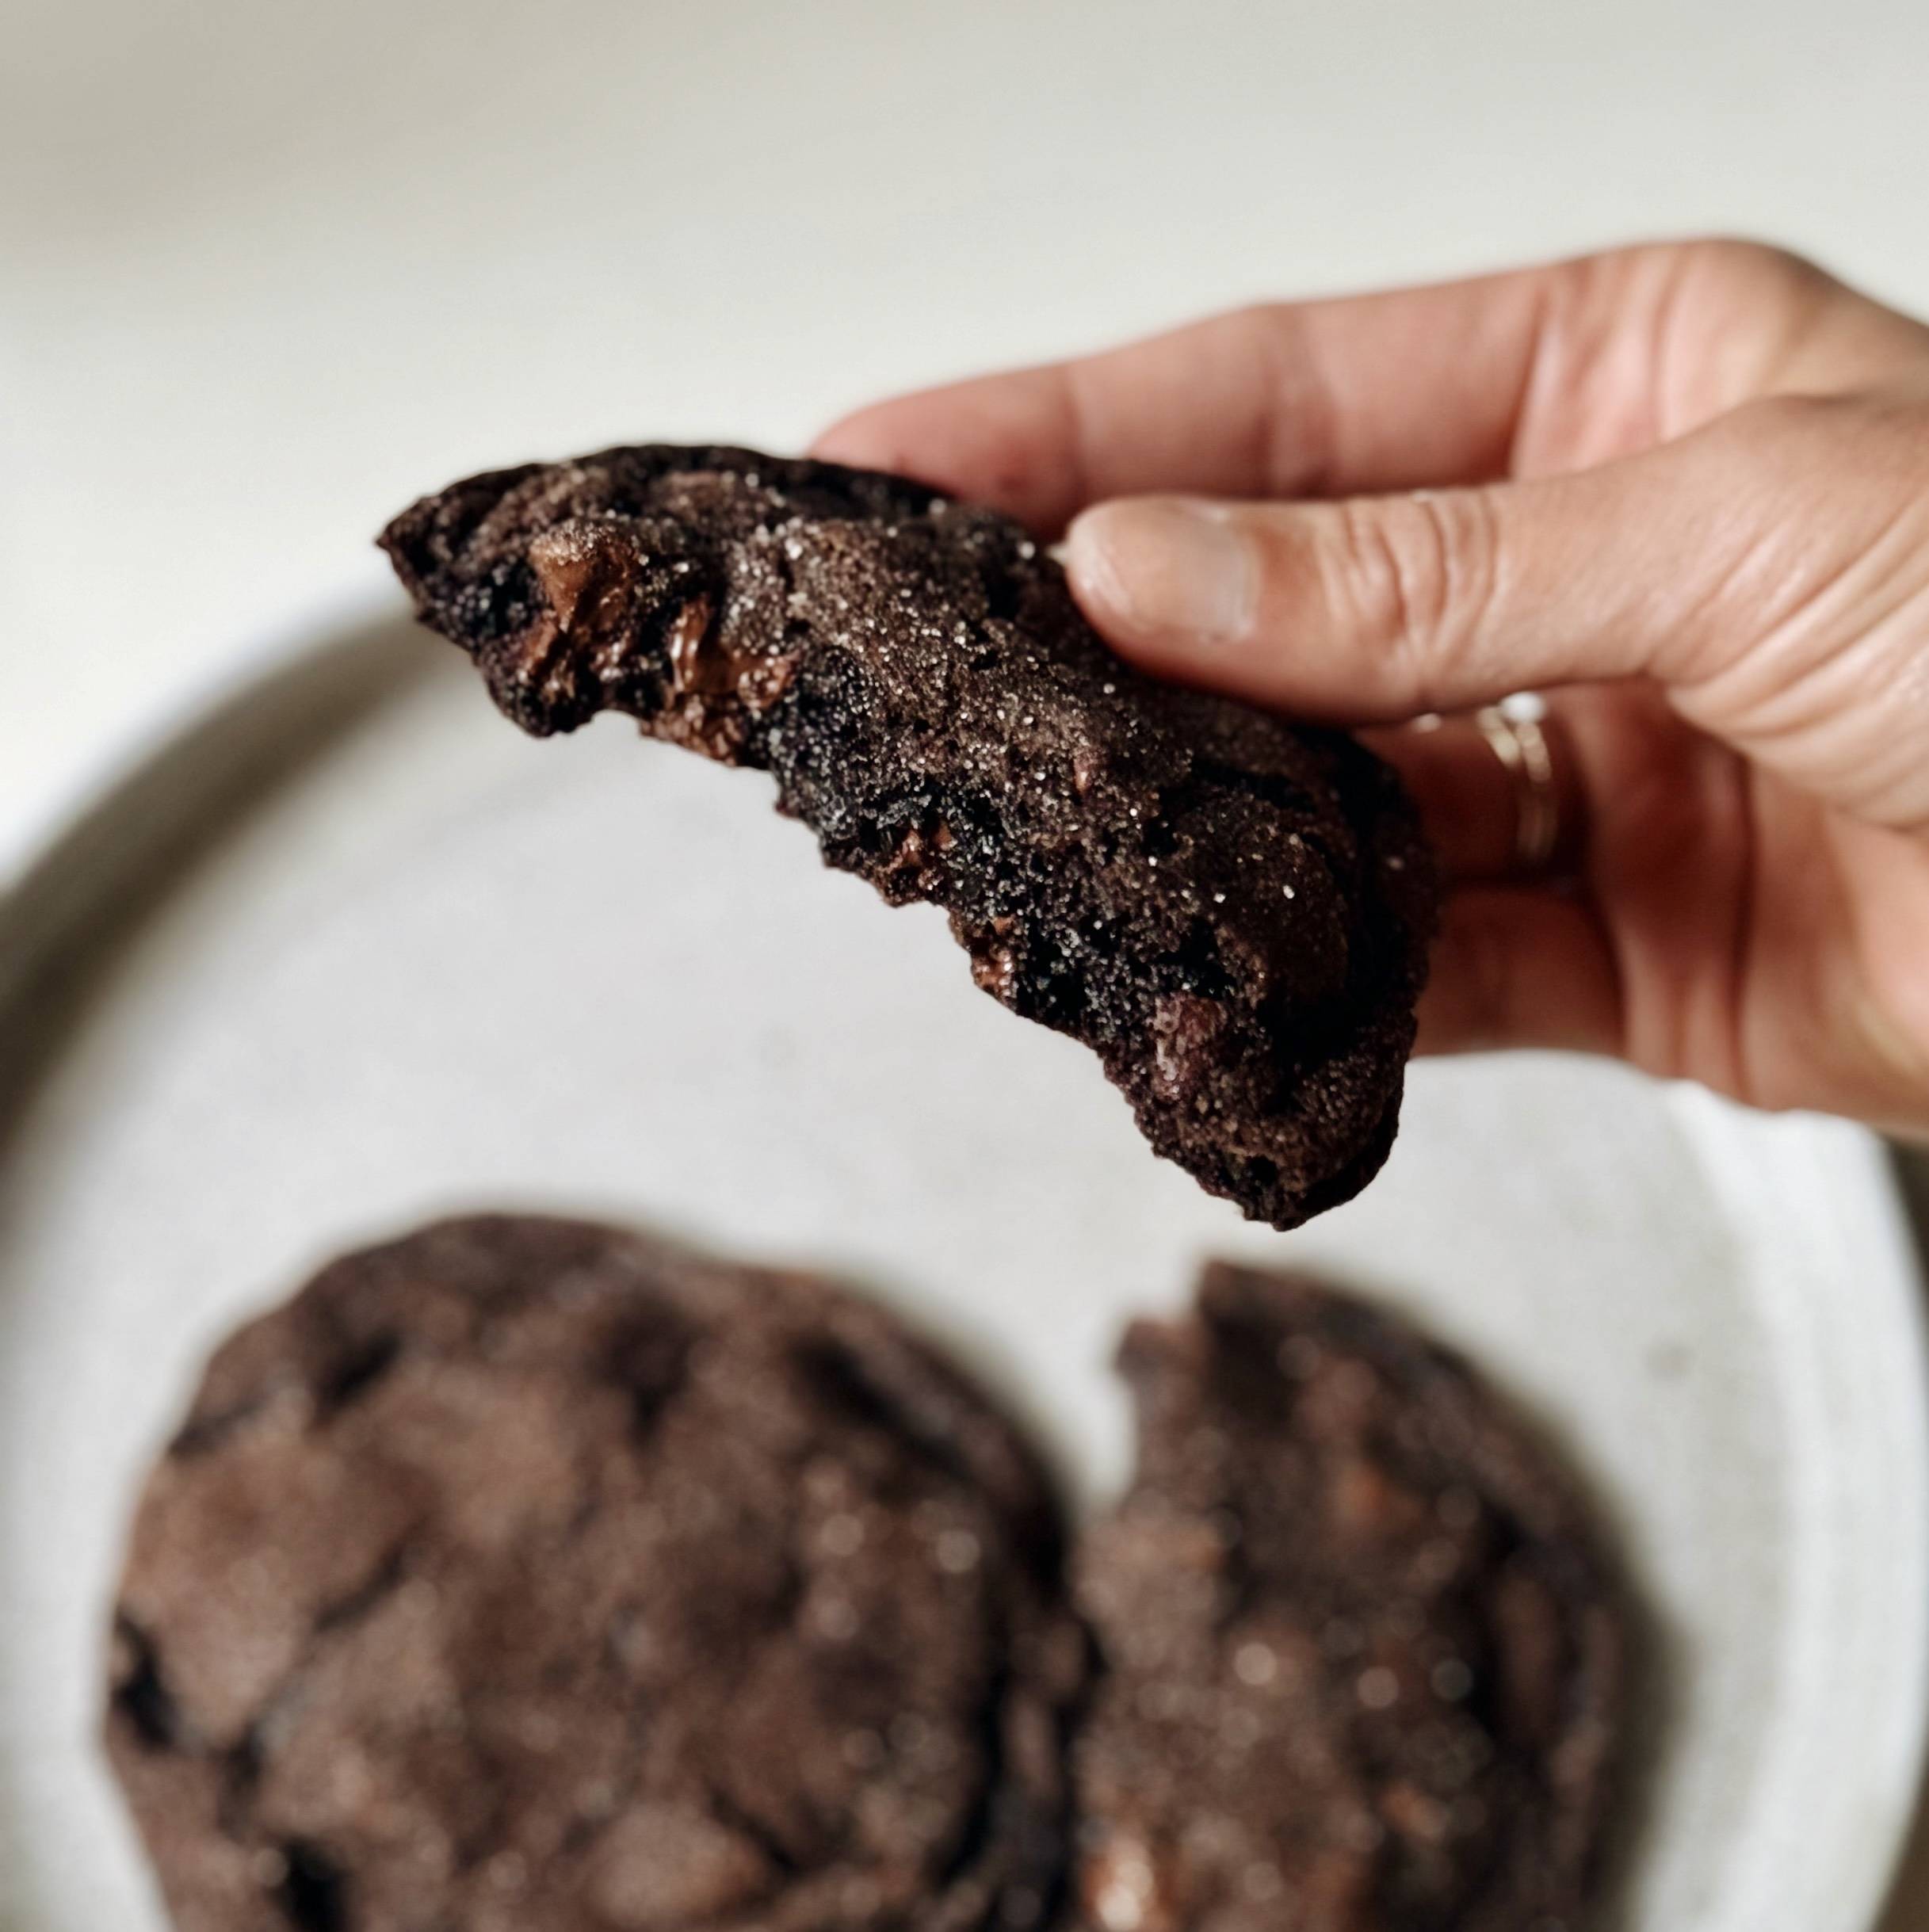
<point>1232,911</point>
<point>1362,1659</point>
<point>529,1574</point>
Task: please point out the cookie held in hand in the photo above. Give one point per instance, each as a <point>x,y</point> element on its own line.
<point>1231,911</point>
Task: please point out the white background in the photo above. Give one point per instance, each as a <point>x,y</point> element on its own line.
<point>267,271</point>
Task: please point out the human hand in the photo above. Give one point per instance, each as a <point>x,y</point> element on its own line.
<point>1683,490</point>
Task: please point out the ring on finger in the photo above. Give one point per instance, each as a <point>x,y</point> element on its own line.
<point>1515,731</point>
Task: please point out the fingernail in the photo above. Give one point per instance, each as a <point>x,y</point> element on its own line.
<point>1165,570</point>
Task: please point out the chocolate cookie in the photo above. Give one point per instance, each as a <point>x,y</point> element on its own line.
<point>1363,1660</point>
<point>1232,911</point>
<point>529,1574</point>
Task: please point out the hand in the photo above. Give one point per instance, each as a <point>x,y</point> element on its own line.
<point>1682,490</point>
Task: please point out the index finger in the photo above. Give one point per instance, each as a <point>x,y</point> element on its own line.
<point>1390,391</point>
<point>1536,371</point>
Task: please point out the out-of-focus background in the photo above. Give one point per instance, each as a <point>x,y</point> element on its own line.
<point>267,271</point>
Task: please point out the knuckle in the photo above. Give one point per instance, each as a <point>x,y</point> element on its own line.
<point>1726,268</point>
<point>1265,317</point>
<point>1251,334</point>
<point>1855,451</point>
<point>1750,267</point>
<point>1417,576</point>
<point>1754,293</point>
<point>1783,424</point>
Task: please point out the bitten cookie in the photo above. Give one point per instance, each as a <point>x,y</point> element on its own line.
<point>1232,911</point>
<point>525,1573</point>
<point>1362,1660</point>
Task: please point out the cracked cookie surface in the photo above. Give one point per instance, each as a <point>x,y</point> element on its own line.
<point>528,1574</point>
<point>1231,911</point>
<point>1362,1662</point>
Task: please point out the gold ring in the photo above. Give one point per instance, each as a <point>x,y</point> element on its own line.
<point>1515,734</point>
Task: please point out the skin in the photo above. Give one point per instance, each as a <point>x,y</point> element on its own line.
<point>1682,489</point>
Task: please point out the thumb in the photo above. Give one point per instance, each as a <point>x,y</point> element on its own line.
<point>1377,609</point>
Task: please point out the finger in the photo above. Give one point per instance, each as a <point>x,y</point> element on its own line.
<point>1366,392</point>
<point>1517,968</point>
<point>1473,804</point>
<point>1379,609</point>
<point>1532,372</point>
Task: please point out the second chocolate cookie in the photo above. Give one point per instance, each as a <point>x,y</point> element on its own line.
<point>525,1574</point>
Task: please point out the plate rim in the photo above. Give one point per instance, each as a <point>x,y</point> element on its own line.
<point>1859,1207</point>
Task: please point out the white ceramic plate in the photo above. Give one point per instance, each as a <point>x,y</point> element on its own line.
<point>349,951</point>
